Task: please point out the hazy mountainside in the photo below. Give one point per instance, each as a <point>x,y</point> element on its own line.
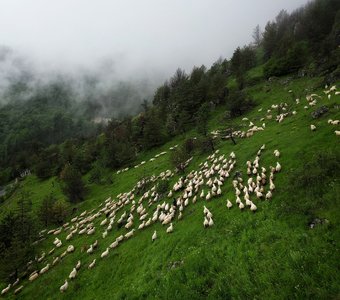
<point>224,185</point>
<point>288,247</point>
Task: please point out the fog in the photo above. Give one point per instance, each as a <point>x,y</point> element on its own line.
<point>142,41</point>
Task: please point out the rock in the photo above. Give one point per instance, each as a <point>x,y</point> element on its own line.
<point>175,264</point>
<point>317,221</point>
<point>319,112</point>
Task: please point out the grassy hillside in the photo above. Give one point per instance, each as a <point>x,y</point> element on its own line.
<point>270,254</point>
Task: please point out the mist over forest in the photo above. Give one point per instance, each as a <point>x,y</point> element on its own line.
<point>98,92</point>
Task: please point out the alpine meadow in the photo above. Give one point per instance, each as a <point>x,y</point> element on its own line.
<point>221,182</point>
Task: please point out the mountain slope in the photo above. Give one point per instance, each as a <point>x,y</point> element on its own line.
<point>272,253</point>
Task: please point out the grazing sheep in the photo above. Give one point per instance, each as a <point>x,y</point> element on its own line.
<point>114,244</point>
<point>205,222</point>
<point>105,253</point>
<point>45,269</point>
<point>91,265</point>
<point>70,249</point>
<point>55,260</point>
<point>92,230</point>
<point>16,282</point>
<point>229,204</point>
<point>154,236</point>
<point>18,290</point>
<point>73,274</point>
<point>129,234</point>
<point>211,222</point>
<point>5,290</point>
<point>170,228</point>
<point>69,236</point>
<point>78,265</point>
<point>277,153</point>
<point>278,167</point>
<point>253,207</point>
<point>64,287</point>
<point>90,250</point>
<point>312,127</point>
<point>337,132</point>
<point>120,238</point>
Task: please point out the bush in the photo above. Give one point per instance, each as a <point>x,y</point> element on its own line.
<point>206,144</point>
<point>73,186</point>
<point>238,103</point>
<point>5,175</point>
<point>178,158</point>
<point>162,187</point>
<point>296,57</point>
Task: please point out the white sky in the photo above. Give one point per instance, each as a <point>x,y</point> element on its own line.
<point>139,36</point>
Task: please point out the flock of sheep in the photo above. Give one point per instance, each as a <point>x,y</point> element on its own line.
<point>139,208</point>
<point>203,184</point>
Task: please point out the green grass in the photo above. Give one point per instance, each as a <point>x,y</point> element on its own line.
<point>270,254</point>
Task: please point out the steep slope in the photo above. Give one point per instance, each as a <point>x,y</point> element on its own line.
<point>272,253</point>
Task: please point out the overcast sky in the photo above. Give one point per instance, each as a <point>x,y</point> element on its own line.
<point>134,36</point>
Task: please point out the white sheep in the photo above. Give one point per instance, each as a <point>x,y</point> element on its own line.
<point>91,265</point>
<point>114,244</point>
<point>312,127</point>
<point>55,260</point>
<point>6,289</point>
<point>64,287</point>
<point>18,290</point>
<point>337,132</point>
<point>69,236</point>
<point>154,236</point>
<point>90,250</point>
<point>253,207</point>
<point>70,248</point>
<point>73,274</point>
<point>129,234</point>
<point>170,228</point>
<point>229,204</point>
<point>105,253</point>
<point>78,265</point>
<point>45,269</point>
<point>269,195</point>
<point>205,222</point>
<point>278,167</point>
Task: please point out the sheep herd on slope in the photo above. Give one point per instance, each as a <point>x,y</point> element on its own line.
<point>204,184</point>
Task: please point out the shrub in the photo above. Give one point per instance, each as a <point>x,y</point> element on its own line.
<point>73,186</point>
<point>162,187</point>
<point>238,103</point>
